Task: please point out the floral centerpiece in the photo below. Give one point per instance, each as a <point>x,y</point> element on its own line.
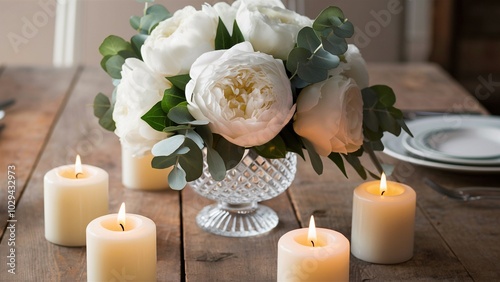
<point>247,75</point>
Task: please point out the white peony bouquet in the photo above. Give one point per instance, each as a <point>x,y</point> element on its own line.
<point>247,75</point>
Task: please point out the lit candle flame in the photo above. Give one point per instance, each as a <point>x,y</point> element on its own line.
<point>121,216</point>
<point>311,234</point>
<point>383,184</point>
<point>78,166</point>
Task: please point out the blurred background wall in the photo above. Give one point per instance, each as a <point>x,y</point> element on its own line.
<point>463,36</point>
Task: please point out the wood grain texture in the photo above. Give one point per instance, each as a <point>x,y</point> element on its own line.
<point>39,94</point>
<point>77,131</point>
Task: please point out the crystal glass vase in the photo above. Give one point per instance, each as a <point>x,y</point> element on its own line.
<point>237,212</point>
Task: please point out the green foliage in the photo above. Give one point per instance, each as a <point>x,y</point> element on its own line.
<point>318,48</point>
<point>380,115</point>
<point>274,149</point>
<point>224,40</point>
<point>180,81</point>
<point>103,110</point>
<point>152,16</point>
<point>156,117</point>
<point>115,50</point>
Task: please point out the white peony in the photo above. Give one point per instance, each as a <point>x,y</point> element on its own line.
<point>270,27</point>
<point>175,43</point>
<point>330,116</point>
<point>245,95</point>
<point>354,67</point>
<point>138,91</point>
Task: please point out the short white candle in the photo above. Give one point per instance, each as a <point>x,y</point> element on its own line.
<point>73,195</point>
<point>137,172</point>
<point>121,247</point>
<point>383,223</point>
<point>323,256</point>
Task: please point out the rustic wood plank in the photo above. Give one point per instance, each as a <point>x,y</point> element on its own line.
<point>77,131</point>
<point>423,86</point>
<point>215,258</point>
<point>39,95</point>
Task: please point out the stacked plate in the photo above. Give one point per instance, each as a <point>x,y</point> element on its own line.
<point>452,142</point>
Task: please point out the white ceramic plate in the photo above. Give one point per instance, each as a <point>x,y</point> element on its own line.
<point>469,146</point>
<point>394,146</point>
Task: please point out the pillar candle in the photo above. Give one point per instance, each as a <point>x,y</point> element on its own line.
<point>137,172</point>
<point>383,222</point>
<point>121,248</point>
<point>73,195</point>
<point>299,259</point>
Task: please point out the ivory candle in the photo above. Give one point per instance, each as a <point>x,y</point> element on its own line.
<point>73,195</point>
<point>313,254</point>
<point>383,222</point>
<point>137,172</point>
<point>121,247</point>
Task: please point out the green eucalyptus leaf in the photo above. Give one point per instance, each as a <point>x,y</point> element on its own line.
<point>316,162</point>
<point>101,105</point>
<point>154,15</point>
<point>171,98</point>
<point>334,44</point>
<point>295,57</point>
<point>180,114</point>
<point>222,37</point>
<point>156,117</point>
<point>103,62</point>
<point>274,149</point>
<point>216,165</point>
<point>206,134</point>
<point>114,66</point>
<point>345,30</point>
<point>135,22</point>
<point>230,153</point>
<point>311,73</point>
<point>114,44</point>
<point>337,159</point>
<point>106,121</point>
<point>193,135</point>
<point>325,18</point>
<point>177,178</point>
<point>161,162</point>
<point>324,60</point>
<point>192,162</point>
<point>168,146</point>
<point>180,81</point>
<point>177,128</point>
<point>307,39</point>
<point>137,41</point>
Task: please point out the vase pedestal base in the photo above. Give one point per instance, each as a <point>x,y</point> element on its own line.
<point>237,220</point>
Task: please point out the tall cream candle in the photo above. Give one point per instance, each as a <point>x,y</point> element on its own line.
<point>121,247</point>
<point>137,172</point>
<point>73,195</point>
<point>313,254</point>
<point>383,222</point>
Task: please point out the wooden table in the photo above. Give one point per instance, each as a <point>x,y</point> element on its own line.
<point>52,121</point>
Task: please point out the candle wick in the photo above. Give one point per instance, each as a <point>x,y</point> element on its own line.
<point>312,242</point>
<point>382,194</point>
<point>78,174</point>
<point>123,228</point>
